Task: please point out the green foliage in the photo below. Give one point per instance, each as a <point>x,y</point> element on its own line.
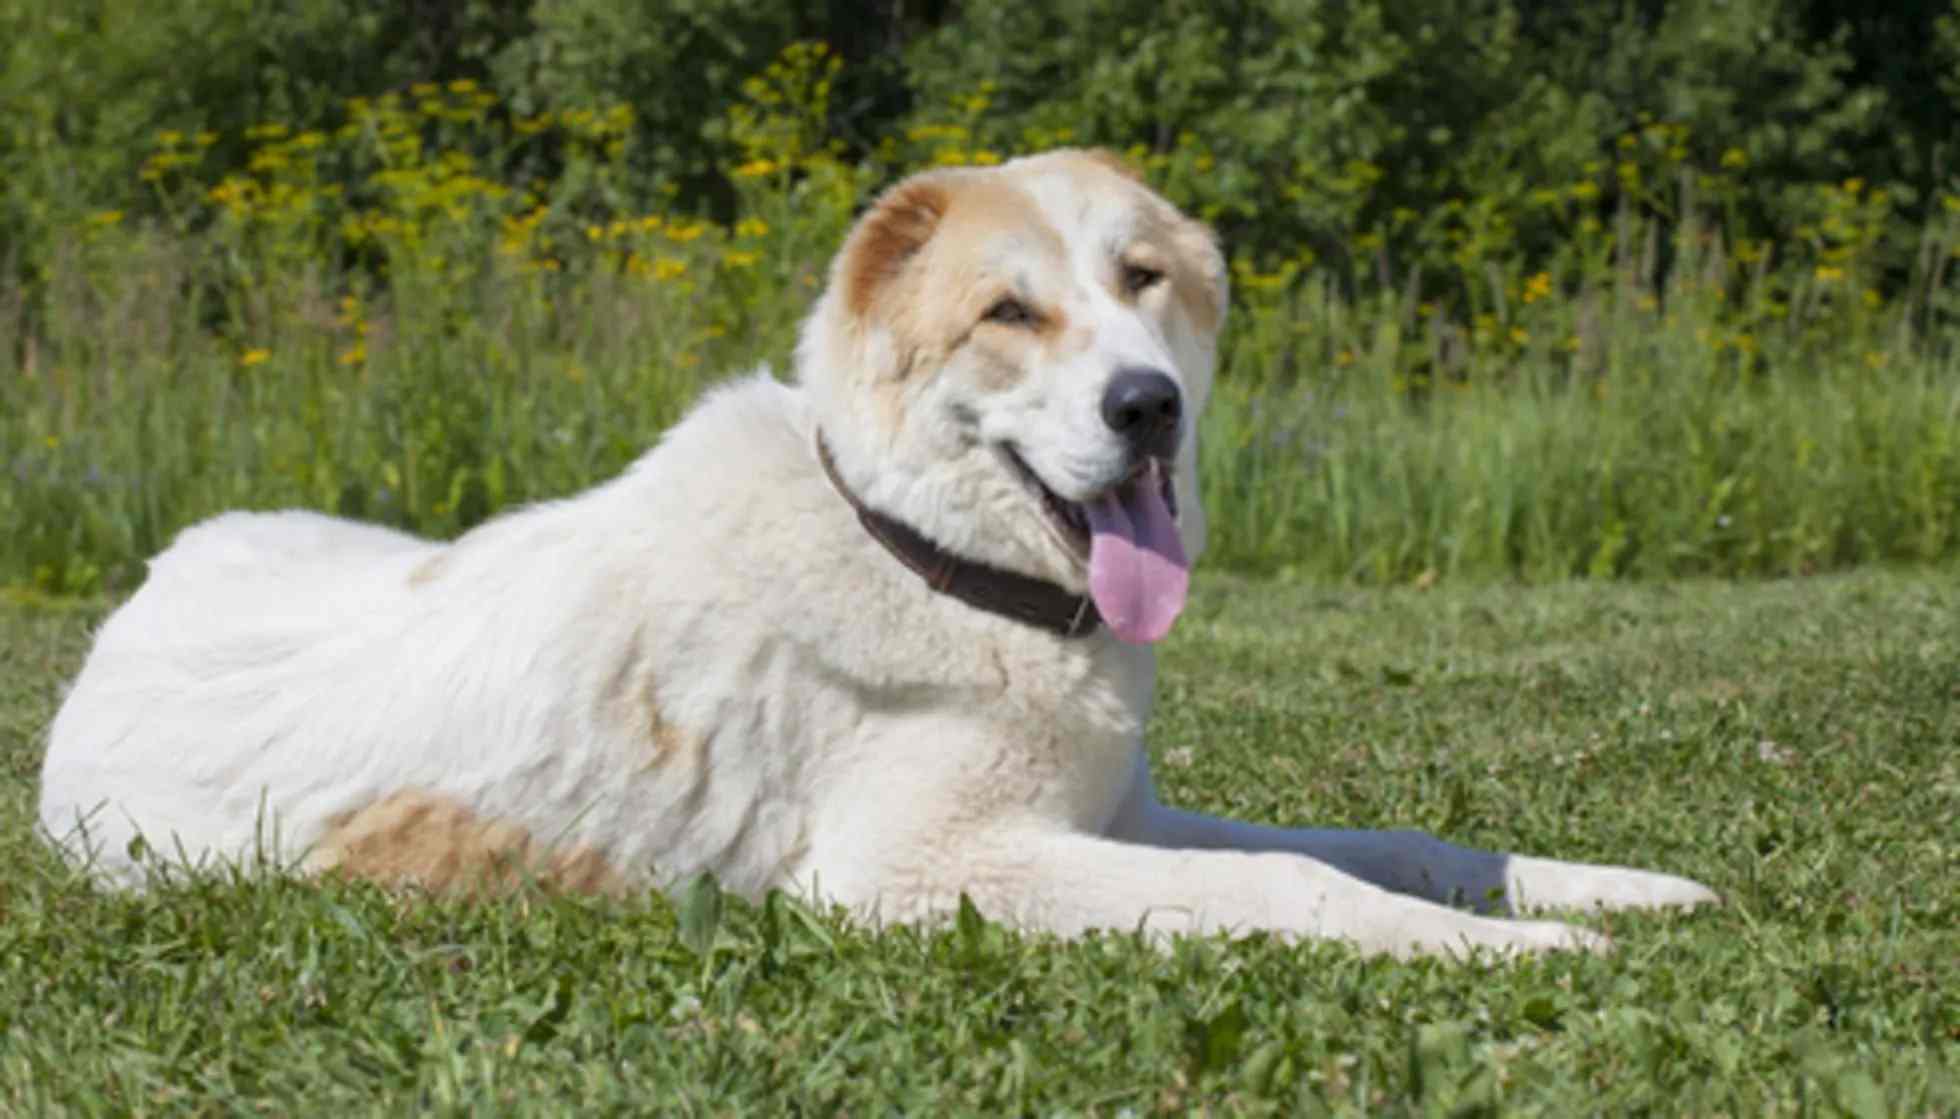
<point>1793,744</point>
<point>1507,306</point>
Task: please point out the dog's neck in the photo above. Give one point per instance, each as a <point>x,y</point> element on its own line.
<point>1022,598</point>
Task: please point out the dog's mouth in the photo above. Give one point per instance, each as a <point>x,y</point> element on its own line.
<point>1069,520</point>
<point>1127,536</point>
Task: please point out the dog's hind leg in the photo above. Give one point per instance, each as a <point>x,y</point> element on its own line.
<point>1414,863</point>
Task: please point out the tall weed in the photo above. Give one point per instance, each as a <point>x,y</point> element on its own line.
<point>442,306</point>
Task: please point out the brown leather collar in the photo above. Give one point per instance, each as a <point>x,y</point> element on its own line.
<point>1028,600</point>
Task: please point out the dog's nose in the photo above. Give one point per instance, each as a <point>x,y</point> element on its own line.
<point>1143,406</point>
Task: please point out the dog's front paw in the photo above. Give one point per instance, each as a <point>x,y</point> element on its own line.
<point>1537,884</point>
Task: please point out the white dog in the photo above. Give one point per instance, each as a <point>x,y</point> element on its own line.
<point>880,638</point>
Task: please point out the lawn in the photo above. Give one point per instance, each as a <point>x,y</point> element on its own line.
<point>1794,744</point>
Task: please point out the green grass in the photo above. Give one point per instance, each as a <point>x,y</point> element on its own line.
<point>1795,744</point>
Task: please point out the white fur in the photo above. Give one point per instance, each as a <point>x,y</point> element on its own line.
<point>843,731</point>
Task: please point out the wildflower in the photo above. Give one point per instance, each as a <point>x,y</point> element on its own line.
<point>1735,158</point>
<point>1853,186</point>
<point>751,227</point>
<point>1538,287</point>
<point>169,138</point>
<point>1344,359</point>
<point>1519,336</point>
<point>755,169</point>
<point>462,85</point>
<point>668,268</point>
<point>686,233</point>
<point>354,354</point>
<point>105,217</point>
<point>739,258</point>
<point>986,157</point>
<point>257,355</point>
<point>1829,273</point>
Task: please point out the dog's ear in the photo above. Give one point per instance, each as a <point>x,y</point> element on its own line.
<point>1201,276</point>
<point>897,226</point>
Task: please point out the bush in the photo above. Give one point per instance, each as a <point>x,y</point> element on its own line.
<point>1485,326</point>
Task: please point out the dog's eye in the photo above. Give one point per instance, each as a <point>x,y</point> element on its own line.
<point>1009,311</point>
<point>1138,277</point>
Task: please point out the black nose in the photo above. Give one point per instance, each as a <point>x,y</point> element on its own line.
<point>1143,406</point>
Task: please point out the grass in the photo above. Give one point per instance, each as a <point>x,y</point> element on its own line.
<point>1795,744</point>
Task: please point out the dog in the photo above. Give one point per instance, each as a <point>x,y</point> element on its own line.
<point>881,637</point>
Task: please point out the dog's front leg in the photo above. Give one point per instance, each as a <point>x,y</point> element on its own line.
<point>1068,882</point>
<point>1411,862</point>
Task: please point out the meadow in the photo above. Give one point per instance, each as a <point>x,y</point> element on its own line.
<point>1793,743</point>
<point>1611,513</point>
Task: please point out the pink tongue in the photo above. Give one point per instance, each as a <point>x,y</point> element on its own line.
<point>1137,571</point>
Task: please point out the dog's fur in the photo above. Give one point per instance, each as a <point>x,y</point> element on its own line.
<point>706,664</point>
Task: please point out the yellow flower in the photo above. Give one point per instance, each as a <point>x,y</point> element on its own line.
<point>1519,335</point>
<point>169,138</point>
<point>257,355</point>
<point>739,258</point>
<point>685,233</point>
<point>668,268</point>
<point>354,354</point>
<point>105,217</point>
<point>755,169</point>
<point>1853,186</point>
<point>986,157</point>
<point>751,227</point>
<point>1344,359</point>
<point>1829,273</point>
<point>1538,287</point>
<point>462,85</point>
<point>1735,158</point>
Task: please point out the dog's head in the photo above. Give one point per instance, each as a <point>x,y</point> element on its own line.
<point>1013,359</point>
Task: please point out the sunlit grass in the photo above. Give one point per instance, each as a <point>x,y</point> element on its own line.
<point>1792,743</point>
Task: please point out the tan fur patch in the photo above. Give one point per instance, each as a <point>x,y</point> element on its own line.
<point>1197,267</point>
<point>417,838</point>
<point>1199,276</point>
<point>898,226</point>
